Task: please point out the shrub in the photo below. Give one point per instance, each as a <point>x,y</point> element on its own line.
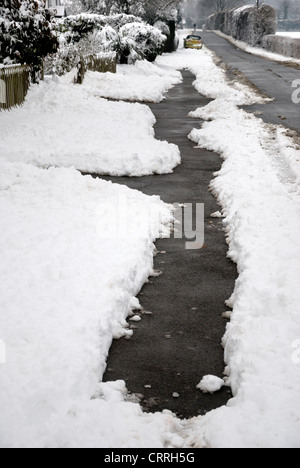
<point>79,26</point>
<point>140,41</point>
<point>26,34</point>
<point>90,34</point>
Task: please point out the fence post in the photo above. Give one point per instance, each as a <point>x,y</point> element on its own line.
<point>81,71</point>
<point>101,63</point>
<point>2,92</point>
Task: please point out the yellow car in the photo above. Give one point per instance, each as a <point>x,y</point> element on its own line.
<point>193,42</point>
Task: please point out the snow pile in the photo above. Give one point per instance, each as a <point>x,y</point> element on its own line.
<point>258,188</point>
<point>260,193</point>
<point>127,35</point>
<point>210,384</point>
<point>26,33</point>
<point>65,125</point>
<point>295,35</point>
<point>140,41</point>
<point>143,81</point>
<point>67,286</point>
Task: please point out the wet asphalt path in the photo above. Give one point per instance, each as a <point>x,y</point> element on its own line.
<point>172,349</point>
<point>271,78</point>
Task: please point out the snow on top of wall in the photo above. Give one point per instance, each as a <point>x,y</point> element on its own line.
<point>295,35</point>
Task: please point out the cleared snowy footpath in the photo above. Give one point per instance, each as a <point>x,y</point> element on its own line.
<point>180,342</point>
<point>258,187</point>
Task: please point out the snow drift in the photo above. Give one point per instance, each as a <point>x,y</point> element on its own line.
<point>65,125</point>
<point>67,286</point>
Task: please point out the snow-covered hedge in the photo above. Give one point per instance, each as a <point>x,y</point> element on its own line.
<point>79,26</point>
<point>140,41</point>
<point>248,23</point>
<point>288,46</point>
<point>90,34</point>
<point>26,33</point>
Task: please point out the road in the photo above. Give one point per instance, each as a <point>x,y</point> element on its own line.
<point>172,349</point>
<point>272,78</point>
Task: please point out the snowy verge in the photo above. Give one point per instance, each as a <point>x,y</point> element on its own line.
<point>69,274</point>
<point>295,35</point>
<point>287,46</point>
<point>258,51</point>
<point>142,81</point>
<point>65,125</point>
<point>258,188</point>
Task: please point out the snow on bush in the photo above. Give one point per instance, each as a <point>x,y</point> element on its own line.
<point>79,26</point>
<point>89,34</point>
<point>112,7</point>
<point>258,189</point>
<point>61,124</point>
<point>140,41</point>
<point>26,33</point>
<point>70,54</point>
<point>169,30</point>
<point>163,27</point>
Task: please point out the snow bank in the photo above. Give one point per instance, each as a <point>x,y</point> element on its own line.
<point>67,286</point>
<point>258,188</point>
<point>295,35</point>
<point>65,125</point>
<point>259,191</point>
<point>143,81</point>
<point>210,384</point>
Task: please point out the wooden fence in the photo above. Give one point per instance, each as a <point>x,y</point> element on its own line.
<point>101,63</point>
<point>14,84</point>
<point>15,79</point>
